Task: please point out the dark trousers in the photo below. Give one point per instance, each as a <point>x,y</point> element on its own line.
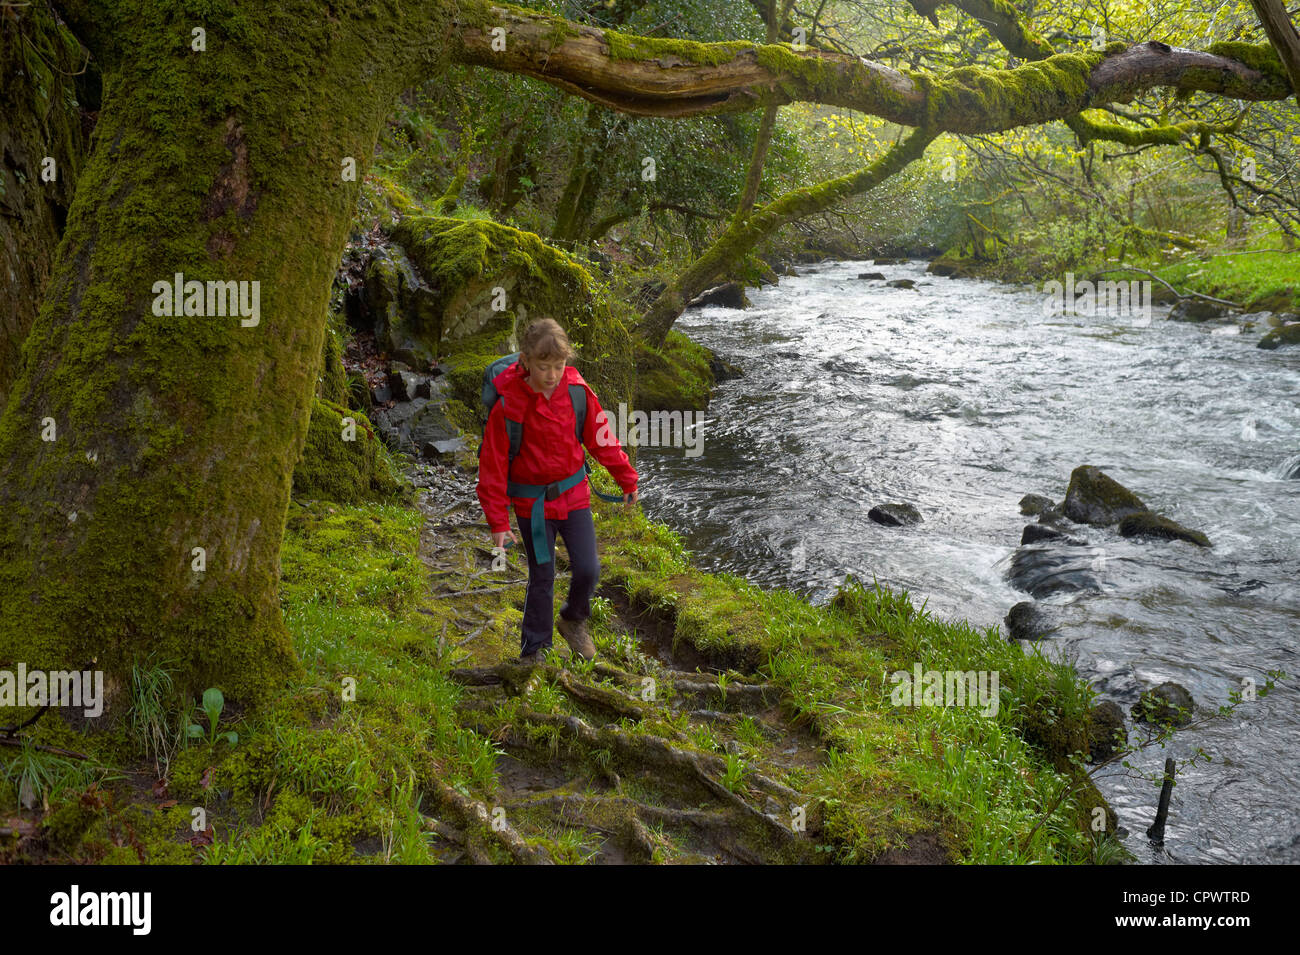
<point>539,610</point>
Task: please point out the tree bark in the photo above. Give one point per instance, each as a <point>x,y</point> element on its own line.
<point>132,439</point>
<point>651,77</point>
<point>1281,32</point>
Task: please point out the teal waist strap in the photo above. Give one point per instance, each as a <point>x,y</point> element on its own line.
<point>549,492</point>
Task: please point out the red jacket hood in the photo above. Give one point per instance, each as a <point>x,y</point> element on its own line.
<point>513,380</point>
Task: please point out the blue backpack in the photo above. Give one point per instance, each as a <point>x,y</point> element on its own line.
<point>515,432</point>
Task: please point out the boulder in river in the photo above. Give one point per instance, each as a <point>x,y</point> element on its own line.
<point>1285,335</point>
<point>1166,704</point>
<point>872,276</point>
<point>1027,621</point>
<point>1096,498</point>
<point>1041,570</point>
<point>1162,528</point>
<point>1196,310</point>
<point>1106,732</point>
<point>726,295</point>
<point>895,515</point>
<point>1037,533</point>
<point>901,283</point>
<point>890,262</point>
<point>1036,504</point>
<point>724,370</point>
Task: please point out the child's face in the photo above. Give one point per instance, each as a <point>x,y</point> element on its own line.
<point>544,374</point>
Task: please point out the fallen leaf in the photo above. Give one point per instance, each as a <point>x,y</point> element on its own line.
<point>206,779</point>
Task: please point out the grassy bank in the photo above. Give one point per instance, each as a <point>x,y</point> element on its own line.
<point>407,736</point>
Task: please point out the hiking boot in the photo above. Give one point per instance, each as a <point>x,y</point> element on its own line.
<point>533,659</point>
<point>576,636</point>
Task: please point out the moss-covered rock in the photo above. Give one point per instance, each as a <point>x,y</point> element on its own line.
<point>1286,335</point>
<point>678,376</point>
<point>1162,528</point>
<point>343,460</point>
<point>1096,498</point>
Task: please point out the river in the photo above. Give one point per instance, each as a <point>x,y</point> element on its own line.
<point>960,397</point>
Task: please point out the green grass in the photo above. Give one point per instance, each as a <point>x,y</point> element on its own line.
<point>891,770</point>
<point>1263,279</point>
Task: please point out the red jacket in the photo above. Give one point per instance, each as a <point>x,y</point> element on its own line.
<point>549,451</point>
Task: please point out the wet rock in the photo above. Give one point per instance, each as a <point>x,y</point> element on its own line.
<point>402,384</point>
<point>787,354</point>
<point>809,258</point>
<point>381,394</point>
<point>901,283</point>
<point>890,262</point>
<point>1166,704</point>
<point>724,370</point>
<point>726,295</point>
<point>1041,570</point>
<point>1096,498</point>
<point>942,269</point>
<point>1038,533</point>
<point>1027,621</point>
<point>1036,504</point>
<point>1196,310</point>
<point>1286,335</point>
<point>436,450</point>
<point>872,276</point>
<point>1106,730</point>
<point>1052,517</point>
<point>895,515</point>
<point>1162,528</point>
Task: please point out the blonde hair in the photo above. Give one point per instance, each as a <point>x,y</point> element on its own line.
<point>544,340</point>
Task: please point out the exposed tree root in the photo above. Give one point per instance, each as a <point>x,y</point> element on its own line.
<point>478,819</point>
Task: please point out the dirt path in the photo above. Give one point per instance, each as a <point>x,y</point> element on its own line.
<point>647,754</point>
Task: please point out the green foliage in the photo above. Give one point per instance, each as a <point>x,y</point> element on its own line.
<point>213,703</point>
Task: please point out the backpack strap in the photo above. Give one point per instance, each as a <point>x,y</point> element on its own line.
<point>578,395</point>
<point>515,433</point>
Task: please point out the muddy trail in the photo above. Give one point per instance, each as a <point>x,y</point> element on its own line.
<point>646,754</point>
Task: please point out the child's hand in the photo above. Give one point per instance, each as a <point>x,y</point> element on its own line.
<point>499,538</point>
<point>630,499</point>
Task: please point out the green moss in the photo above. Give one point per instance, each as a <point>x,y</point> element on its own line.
<point>674,377</point>
<point>1258,56</point>
<point>345,463</point>
<point>624,46</point>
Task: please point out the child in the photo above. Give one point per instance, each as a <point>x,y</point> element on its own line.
<point>536,390</point>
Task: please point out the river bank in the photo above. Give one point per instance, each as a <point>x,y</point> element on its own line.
<point>721,723</point>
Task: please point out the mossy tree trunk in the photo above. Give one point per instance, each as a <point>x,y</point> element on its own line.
<point>146,460</point>
<point>134,442</point>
